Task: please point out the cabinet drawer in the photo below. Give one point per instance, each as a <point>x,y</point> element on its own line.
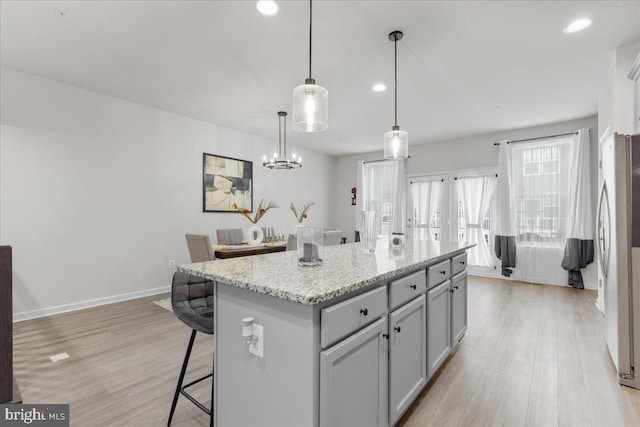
<point>342,319</point>
<point>458,263</point>
<point>438,273</point>
<point>407,288</point>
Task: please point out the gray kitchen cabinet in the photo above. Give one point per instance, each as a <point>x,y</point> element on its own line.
<point>407,355</point>
<point>458,307</point>
<point>354,379</point>
<point>438,326</point>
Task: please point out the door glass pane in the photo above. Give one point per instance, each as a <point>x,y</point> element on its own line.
<point>427,209</point>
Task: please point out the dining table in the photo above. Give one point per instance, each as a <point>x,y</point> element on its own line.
<point>242,250</point>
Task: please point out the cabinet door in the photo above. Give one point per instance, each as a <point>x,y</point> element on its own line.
<point>353,380</point>
<point>438,326</point>
<point>408,355</point>
<point>458,308</point>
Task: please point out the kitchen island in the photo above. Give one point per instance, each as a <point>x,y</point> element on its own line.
<point>351,342</point>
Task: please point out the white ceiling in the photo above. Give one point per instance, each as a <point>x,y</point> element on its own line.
<point>224,63</point>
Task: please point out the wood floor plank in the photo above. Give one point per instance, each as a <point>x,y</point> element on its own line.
<point>533,355</point>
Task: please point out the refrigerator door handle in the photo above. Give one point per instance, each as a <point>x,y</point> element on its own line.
<point>601,244</point>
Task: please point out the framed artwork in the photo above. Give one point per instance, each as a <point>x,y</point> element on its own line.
<point>226,181</point>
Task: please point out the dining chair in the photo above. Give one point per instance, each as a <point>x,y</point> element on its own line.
<point>230,236</point>
<point>192,303</point>
<point>332,237</point>
<point>200,248</point>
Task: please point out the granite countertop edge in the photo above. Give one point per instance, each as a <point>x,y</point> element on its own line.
<point>327,296</point>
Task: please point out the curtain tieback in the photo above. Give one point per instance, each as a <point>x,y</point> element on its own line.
<point>473,226</point>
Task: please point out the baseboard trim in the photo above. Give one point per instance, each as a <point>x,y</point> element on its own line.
<point>511,279</point>
<point>75,306</point>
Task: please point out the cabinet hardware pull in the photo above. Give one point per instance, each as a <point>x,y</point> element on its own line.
<point>364,311</point>
<point>462,262</point>
<point>385,336</point>
<point>397,329</point>
<point>413,287</point>
<point>456,287</point>
<point>443,272</point>
<point>451,290</point>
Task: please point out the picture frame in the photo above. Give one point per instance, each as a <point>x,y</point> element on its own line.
<point>225,181</point>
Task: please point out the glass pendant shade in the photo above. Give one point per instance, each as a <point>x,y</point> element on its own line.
<point>310,108</point>
<point>396,144</point>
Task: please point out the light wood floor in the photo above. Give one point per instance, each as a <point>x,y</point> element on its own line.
<point>533,355</point>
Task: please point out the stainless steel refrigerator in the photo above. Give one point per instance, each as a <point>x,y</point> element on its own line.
<point>618,243</point>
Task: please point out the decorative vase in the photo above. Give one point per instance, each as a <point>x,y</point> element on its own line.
<point>295,231</point>
<point>310,246</point>
<point>254,235</point>
<point>369,225</point>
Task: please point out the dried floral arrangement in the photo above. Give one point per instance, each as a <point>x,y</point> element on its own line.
<point>262,209</point>
<point>301,213</point>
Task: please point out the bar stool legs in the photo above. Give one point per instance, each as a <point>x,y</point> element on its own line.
<point>182,389</point>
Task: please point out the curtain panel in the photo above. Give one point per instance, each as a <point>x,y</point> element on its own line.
<point>475,194</point>
<point>578,251</point>
<point>359,196</point>
<point>400,203</point>
<point>425,196</point>
<point>505,239</point>
<point>381,188</point>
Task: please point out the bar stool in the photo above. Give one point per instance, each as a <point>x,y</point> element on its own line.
<point>192,302</point>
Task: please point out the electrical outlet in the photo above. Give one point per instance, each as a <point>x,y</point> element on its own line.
<point>172,263</point>
<point>257,346</point>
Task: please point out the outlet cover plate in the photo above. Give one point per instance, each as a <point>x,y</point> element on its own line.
<point>257,346</point>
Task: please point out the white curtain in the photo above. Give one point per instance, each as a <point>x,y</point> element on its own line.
<point>475,194</point>
<point>399,206</point>
<point>540,190</point>
<point>425,196</point>
<point>379,185</point>
<point>505,242</point>
<point>359,193</point>
<point>579,249</point>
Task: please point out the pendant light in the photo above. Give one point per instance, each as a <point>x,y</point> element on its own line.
<point>310,101</point>
<point>279,159</point>
<point>396,141</point>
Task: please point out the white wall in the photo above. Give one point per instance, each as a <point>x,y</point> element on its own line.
<point>467,153</point>
<point>616,103</point>
<point>96,193</point>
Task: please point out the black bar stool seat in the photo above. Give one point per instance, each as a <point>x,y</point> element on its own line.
<point>192,302</point>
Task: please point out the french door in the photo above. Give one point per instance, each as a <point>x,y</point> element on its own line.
<point>428,208</point>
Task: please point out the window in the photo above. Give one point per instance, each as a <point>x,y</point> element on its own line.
<point>379,192</point>
<point>541,190</point>
<point>426,199</point>
<point>541,161</point>
<point>485,226</point>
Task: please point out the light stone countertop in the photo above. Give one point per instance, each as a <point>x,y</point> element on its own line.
<point>345,268</point>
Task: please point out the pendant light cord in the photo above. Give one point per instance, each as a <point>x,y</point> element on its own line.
<point>310,26</point>
<point>284,138</point>
<point>280,136</point>
<point>395,79</point>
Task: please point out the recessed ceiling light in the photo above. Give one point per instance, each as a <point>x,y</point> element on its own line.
<point>577,25</point>
<point>379,87</point>
<point>267,7</point>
